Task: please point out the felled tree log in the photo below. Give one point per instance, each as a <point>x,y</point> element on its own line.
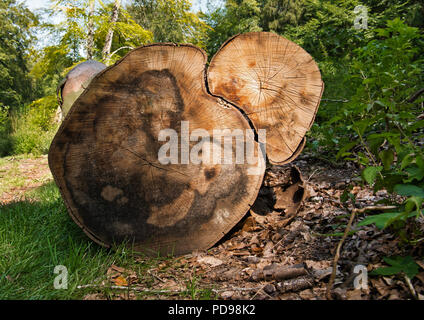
<point>275,82</point>
<point>138,158</point>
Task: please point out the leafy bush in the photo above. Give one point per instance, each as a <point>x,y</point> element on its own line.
<point>33,130</point>
<point>31,139</point>
<point>5,143</point>
<point>382,125</point>
<point>42,111</point>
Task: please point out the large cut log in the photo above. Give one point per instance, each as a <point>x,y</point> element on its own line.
<point>275,82</point>
<point>104,157</point>
<point>142,156</point>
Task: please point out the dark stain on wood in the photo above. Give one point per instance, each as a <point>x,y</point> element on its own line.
<point>210,173</point>
<point>105,161</point>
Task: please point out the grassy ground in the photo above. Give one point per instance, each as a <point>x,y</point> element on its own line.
<point>37,234</point>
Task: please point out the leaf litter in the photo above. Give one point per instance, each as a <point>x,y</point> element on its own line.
<point>286,252</point>
<point>282,252</point>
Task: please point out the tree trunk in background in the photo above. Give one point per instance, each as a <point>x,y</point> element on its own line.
<point>109,35</point>
<point>90,34</point>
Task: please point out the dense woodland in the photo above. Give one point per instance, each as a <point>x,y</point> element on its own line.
<point>371,114</point>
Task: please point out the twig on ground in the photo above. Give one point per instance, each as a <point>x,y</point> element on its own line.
<point>237,289</point>
<point>411,287</point>
<point>370,208</point>
<point>155,276</point>
<point>339,246</point>
<point>257,291</point>
<point>312,174</point>
<point>337,256</point>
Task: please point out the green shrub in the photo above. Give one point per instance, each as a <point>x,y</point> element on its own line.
<point>383,126</point>
<point>41,112</point>
<point>5,142</point>
<point>33,128</point>
<point>30,139</point>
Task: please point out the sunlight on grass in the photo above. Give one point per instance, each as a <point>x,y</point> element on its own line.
<point>38,234</point>
<point>12,176</point>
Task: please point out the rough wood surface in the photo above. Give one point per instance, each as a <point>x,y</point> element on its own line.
<point>275,82</point>
<point>104,157</point>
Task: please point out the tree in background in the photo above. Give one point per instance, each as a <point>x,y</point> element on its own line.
<point>237,16</point>
<point>277,14</point>
<point>16,39</point>
<point>94,29</point>
<point>410,11</point>
<point>169,21</point>
<point>109,35</point>
<point>89,29</point>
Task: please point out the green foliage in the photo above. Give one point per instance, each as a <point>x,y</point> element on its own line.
<point>398,264</point>
<point>29,138</point>
<point>370,174</point>
<point>277,14</point>
<point>386,219</point>
<point>169,21</point>
<point>378,127</point>
<point>33,128</point>
<point>5,143</point>
<point>238,16</point>
<point>42,111</point>
<point>16,22</point>
<point>72,32</point>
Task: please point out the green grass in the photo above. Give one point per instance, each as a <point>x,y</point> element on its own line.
<point>10,177</point>
<point>37,234</point>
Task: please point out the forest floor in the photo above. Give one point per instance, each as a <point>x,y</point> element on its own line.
<point>266,256</point>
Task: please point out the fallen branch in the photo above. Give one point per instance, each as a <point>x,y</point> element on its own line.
<point>236,289</point>
<point>279,273</point>
<point>294,285</point>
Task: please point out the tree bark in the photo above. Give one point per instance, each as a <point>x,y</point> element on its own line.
<point>90,33</point>
<point>109,36</point>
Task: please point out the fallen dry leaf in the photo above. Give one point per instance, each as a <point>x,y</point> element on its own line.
<point>354,295</point>
<point>212,261</point>
<point>420,263</point>
<point>121,281</point>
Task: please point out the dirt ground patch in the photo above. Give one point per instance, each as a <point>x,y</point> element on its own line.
<point>19,175</point>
